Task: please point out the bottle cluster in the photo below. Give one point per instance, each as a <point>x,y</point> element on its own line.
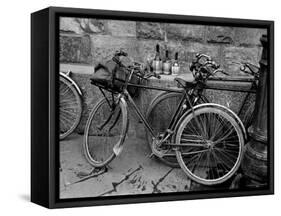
<point>165,65</point>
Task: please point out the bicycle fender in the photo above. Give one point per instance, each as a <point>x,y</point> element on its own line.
<point>72,82</point>
<point>218,106</point>
<point>117,149</point>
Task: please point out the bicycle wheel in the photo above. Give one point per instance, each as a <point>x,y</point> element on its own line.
<point>70,108</point>
<point>106,127</point>
<point>210,145</point>
<point>159,115</point>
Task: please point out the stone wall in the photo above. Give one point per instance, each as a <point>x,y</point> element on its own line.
<point>86,42</point>
<point>89,41</point>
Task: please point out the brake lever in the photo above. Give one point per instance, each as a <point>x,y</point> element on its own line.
<point>251,64</point>
<point>221,71</point>
<point>225,73</point>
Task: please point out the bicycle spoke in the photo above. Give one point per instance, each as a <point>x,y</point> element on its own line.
<point>193,128</point>
<point>68,103</point>
<point>210,171</point>
<point>217,129</point>
<point>66,91</point>
<point>190,162</point>
<point>66,118</point>
<point>68,112</point>
<point>170,110</point>
<point>215,124</point>
<point>224,158</point>
<point>200,126</point>
<point>225,134</point>
<point>204,125</point>
<point>220,161</point>
<point>193,152</point>
<point>197,162</point>
<point>226,154</point>
<point>69,108</point>
<point>62,125</point>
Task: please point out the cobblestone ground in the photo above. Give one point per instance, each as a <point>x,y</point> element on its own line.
<point>133,172</point>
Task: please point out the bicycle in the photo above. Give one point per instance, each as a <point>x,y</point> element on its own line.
<point>160,111</point>
<point>208,154</point>
<point>70,104</point>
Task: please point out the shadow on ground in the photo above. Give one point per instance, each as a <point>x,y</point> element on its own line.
<point>133,172</point>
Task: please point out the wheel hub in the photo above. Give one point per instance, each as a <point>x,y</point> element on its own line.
<point>210,144</point>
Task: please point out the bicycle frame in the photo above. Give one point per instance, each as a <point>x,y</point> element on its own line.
<point>185,97</point>
<point>143,119</point>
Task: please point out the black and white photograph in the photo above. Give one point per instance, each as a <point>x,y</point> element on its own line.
<point>148,107</point>
<point>140,108</point>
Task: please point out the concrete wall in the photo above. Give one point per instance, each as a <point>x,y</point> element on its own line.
<point>86,42</point>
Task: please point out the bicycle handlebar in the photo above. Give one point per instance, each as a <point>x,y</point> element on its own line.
<point>117,55</point>
<point>120,53</point>
<point>212,63</point>
<point>137,67</point>
<point>208,60</point>
<point>204,69</point>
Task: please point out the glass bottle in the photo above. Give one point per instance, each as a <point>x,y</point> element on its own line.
<point>175,66</point>
<point>167,64</point>
<point>157,62</point>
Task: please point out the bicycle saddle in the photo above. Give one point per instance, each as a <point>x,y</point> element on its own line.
<point>186,80</point>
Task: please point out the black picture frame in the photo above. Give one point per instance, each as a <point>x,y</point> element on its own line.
<point>44,112</point>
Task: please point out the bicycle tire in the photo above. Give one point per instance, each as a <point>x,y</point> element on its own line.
<point>230,147</point>
<point>113,133</point>
<point>70,115</point>
<point>158,107</point>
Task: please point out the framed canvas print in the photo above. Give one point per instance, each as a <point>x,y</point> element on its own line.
<point>139,107</point>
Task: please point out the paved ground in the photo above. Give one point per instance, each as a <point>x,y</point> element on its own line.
<point>133,172</point>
